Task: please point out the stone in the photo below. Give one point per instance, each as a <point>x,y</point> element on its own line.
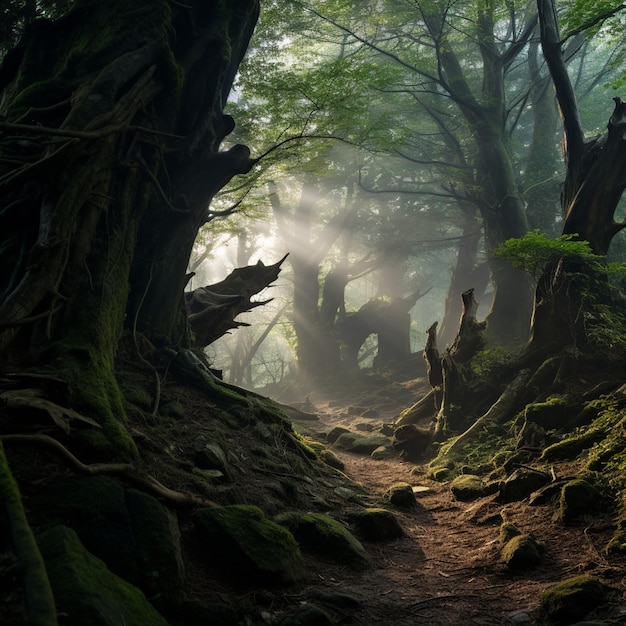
<point>520,484</point>
<point>573,598</point>
<point>467,487</point>
<point>335,433</point>
<point>577,497</point>
<point>157,540</point>
<point>330,458</point>
<point>242,542</point>
<point>212,457</point>
<point>521,553</point>
<point>86,591</point>
<point>383,452</point>
<point>360,444</point>
<point>401,495</point>
<point>376,524</point>
<point>323,536</point>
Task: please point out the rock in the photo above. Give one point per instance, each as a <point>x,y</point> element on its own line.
<point>521,552</point>
<point>572,599</point>
<point>86,591</point>
<point>577,497</point>
<point>335,433</point>
<point>467,487</point>
<point>157,538</point>
<point>323,536</point>
<point>212,457</point>
<point>383,452</point>
<point>330,458</point>
<point>400,494</point>
<point>309,615</point>
<point>508,531</point>
<point>377,524</point>
<point>412,440</point>
<point>364,427</point>
<point>360,444</point>
<point>520,484</point>
<point>94,507</point>
<point>240,540</point>
<point>519,617</point>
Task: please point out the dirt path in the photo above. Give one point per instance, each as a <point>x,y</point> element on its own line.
<point>447,567</point>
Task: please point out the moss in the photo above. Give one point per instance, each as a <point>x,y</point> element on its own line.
<point>521,552</point>
<point>571,599</point>
<point>323,536</point>
<point>86,592</point>
<point>400,494</point>
<point>467,487</point>
<point>376,524</point>
<point>248,546</point>
<point>508,531</point>
<point>577,498</point>
<point>570,447</point>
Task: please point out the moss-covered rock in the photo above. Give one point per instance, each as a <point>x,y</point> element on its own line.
<point>330,458</point>
<point>400,494</point>
<point>241,541</point>
<point>572,599</point>
<point>94,507</point>
<point>157,541</point>
<point>521,483</point>
<point>521,552</point>
<point>324,536</point>
<point>508,531</point>
<point>467,487</point>
<point>86,591</point>
<point>577,497</point>
<point>361,444</point>
<point>376,524</point>
<point>570,447</point>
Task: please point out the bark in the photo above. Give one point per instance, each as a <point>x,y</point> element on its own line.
<point>213,309</point>
<point>110,154</point>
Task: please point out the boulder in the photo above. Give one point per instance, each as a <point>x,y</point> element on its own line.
<point>401,495</point>
<point>521,552</point>
<point>247,546</point>
<point>376,524</point>
<point>361,444</point>
<point>467,487</point>
<point>520,484</point>
<point>323,536</point>
<point>86,591</point>
<point>577,497</point>
<point>572,599</point>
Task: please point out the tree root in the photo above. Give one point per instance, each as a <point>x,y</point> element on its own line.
<point>123,470</point>
<point>500,410</point>
<point>39,603</point>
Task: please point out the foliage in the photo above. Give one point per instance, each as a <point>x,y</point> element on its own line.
<point>535,251</point>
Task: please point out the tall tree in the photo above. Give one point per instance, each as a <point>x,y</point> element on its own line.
<point>110,144</point>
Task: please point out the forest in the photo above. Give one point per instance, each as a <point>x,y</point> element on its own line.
<point>312,312</point>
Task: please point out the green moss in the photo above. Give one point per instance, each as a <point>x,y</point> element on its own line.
<point>86,592</point>
<point>467,487</point>
<point>521,552</point>
<point>571,599</point>
<point>570,447</point>
<point>248,546</point>
<point>400,494</point>
<point>323,536</point>
<point>577,498</point>
<point>508,531</point>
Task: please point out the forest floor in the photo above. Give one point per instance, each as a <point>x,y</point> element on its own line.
<point>447,567</point>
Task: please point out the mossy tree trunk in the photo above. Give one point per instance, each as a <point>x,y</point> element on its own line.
<point>112,122</point>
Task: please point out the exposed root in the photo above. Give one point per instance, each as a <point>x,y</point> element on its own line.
<point>123,470</point>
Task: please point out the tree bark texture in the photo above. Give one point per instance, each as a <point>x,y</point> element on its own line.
<point>110,155</point>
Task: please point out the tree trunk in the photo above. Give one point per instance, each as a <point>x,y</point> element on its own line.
<point>110,151</point>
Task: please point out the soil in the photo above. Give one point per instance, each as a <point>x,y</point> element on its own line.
<point>446,569</point>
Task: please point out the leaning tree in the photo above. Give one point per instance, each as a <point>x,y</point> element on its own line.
<point>111,135</point>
